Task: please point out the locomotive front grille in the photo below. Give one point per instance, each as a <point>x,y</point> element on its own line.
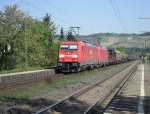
<point>68,65</point>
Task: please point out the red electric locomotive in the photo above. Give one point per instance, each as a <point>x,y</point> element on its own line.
<point>74,56</point>
<point>102,56</point>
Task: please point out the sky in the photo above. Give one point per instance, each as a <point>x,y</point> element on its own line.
<point>93,16</point>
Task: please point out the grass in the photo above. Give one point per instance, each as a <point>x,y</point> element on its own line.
<point>21,69</point>
<point>46,86</point>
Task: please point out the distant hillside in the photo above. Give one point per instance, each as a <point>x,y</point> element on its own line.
<point>113,39</point>
<point>116,40</point>
<point>131,44</point>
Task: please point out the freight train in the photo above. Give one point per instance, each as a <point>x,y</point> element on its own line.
<point>74,56</point>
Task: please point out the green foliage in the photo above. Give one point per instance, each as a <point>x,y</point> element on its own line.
<point>46,86</point>
<point>53,53</point>
<point>11,21</point>
<point>61,34</point>
<point>21,68</point>
<point>25,41</point>
<point>120,48</point>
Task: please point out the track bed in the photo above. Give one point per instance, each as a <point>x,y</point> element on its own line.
<point>84,100</point>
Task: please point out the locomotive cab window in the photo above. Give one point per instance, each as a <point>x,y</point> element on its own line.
<point>69,47</point>
<point>64,47</point>
<point>73,47</point>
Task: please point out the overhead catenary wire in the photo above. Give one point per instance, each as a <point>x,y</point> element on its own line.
<point>70,18</point>
<point>66,22</point>
<point>45,11</point>
<point>60,14</point>
<point>118,17</point>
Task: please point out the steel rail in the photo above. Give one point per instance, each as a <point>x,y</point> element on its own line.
<point>76,94</point>
<point>118,86</point>
<point>14,85</point>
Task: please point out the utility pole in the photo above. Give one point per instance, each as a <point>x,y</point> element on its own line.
<point>146,18</point>
<point>25,42</point>
<point>148,40</point>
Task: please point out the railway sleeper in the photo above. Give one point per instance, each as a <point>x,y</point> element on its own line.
<point>71,105</point>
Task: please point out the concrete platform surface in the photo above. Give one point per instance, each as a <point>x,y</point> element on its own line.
<point>135,97</point>
<point>20,76</point>
<point>25,72</point>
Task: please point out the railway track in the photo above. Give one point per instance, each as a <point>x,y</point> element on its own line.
<point>20,81</point>
<point>19,84</point>
<point>91,98</point>
<point>102,104</point>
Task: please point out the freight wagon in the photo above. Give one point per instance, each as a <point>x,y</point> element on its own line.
<point>111,56</point>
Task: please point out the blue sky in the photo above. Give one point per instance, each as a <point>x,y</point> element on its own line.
<point>93,16</point>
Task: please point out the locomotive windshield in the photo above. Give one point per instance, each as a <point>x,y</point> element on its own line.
<point>69,47</point>
<point>64,47</point>
<point>73,47</point>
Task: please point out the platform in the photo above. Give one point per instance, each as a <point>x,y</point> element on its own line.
<point>135,97</point>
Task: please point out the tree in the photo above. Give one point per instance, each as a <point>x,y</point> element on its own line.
<point>50,28</point>
<point>120,48</point>
<point>49,33</point>
<point>10,28</point>
<point>61,34</point>
<point>25,41</point>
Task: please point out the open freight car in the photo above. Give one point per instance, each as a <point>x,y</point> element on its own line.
<point>111,56</point>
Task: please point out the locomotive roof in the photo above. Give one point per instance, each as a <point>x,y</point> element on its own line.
<point>71,42</point>
<point>81,42</point>
<point>76,42</point>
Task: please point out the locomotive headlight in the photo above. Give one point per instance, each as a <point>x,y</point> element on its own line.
<point>61,56</point>
<point>74,56</point>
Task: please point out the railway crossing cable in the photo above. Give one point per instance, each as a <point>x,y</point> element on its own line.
<point>75,95</point>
